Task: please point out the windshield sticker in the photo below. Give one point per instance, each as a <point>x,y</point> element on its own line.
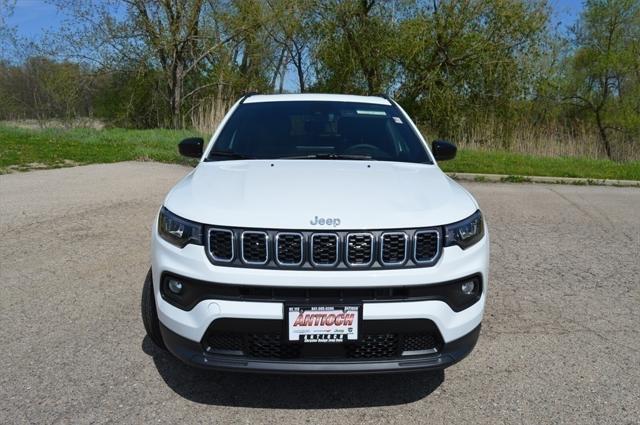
<point>397,120</point>
<point>362,112</point>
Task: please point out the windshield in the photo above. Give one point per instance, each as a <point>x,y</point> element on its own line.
<point>318,130</point>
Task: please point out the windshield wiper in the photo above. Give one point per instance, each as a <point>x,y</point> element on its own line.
<point>330,156</point>
<point>228,154</point>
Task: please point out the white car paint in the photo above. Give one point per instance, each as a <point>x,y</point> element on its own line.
<point>289,194</point>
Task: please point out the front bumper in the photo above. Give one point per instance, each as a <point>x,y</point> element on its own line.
<point>183,330</point>
<point>191,353</point>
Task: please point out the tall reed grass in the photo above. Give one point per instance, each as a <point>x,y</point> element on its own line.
<point>551,139</point>
<point>548,140</point>
<point>206,117</point>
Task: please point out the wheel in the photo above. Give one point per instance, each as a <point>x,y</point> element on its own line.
<point>149,313</point>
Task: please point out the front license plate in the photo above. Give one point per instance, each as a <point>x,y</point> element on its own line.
<point>323,324</point>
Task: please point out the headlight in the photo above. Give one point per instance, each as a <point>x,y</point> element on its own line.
<point>466,232</point>
<point>177,230</point>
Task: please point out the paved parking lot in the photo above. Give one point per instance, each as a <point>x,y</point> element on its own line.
<point>560,341</point>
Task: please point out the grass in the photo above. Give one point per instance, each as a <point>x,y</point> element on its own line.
<point>26,149</point>
<point>513,164</point>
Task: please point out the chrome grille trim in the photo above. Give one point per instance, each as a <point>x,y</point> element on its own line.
<point>277,258</point>
<point>393,263</point>
<point>266,248</point>
<point>289,248</point>
<point>415,246</point>
<point>233,243</point>
<point>311,245</point>
<point>372,255</point>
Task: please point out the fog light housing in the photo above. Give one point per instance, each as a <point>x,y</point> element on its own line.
<point>468,287</point>
<point>175,286</point>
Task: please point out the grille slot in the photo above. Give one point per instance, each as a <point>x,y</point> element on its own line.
<point>374,347</point>
<point>324,249</point>
<point>425,246</point>
<point>224,342</point>
<point>289,249</point>
<point>221,244</point>
<point>255,247</point>
<point>359,249</point>
<point>416,344</point>
<point>269,345</point>
<point>393,248</point>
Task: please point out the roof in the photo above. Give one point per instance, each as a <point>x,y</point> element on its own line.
<point>258,98</point>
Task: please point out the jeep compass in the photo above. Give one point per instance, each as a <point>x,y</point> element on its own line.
<point>317,234</point>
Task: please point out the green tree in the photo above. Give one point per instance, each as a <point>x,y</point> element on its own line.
<point>604,71</point>
<point>354,42</point>
<point>466,59</point>
<point>42,88</point>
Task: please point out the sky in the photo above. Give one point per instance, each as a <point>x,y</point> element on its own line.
<point>31,18</point>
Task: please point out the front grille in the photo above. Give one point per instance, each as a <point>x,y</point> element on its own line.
<point>324,249</point>
<point>221,244</point>
<point>425,246</point>
<point>255,247</point>
<point>343,250</point>
<point>374,347</point>
<point>289,249</point>
<point>359,249</point>
<point>394,248</point>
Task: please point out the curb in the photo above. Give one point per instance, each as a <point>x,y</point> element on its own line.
<point>502,178</point>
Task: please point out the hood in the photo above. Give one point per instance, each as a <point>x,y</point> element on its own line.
<point>293,194</point>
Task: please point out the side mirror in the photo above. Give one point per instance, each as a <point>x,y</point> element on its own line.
<point>191,147</point>
<point>443,150</point>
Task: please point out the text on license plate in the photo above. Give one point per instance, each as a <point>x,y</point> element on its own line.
<point>323,323</point>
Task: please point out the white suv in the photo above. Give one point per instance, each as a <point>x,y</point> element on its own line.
<point>317,235</point>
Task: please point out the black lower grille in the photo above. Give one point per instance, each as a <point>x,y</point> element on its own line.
<point>268,342</point>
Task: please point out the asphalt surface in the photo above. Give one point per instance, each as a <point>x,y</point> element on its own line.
<point>560,341</point>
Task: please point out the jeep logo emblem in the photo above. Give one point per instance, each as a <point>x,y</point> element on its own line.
<point>317,221</point>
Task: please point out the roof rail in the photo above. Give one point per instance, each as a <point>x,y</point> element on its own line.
<point>248,94</point>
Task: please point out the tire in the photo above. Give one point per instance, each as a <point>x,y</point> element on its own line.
<point>149,312</point>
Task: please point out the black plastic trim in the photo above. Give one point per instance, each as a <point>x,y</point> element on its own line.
<point>196,291</point>
<point>247,95</point>
<point>192,353</point>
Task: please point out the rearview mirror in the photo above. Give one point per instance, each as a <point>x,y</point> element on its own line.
<point>191,147</point>
<point>443,150</point>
